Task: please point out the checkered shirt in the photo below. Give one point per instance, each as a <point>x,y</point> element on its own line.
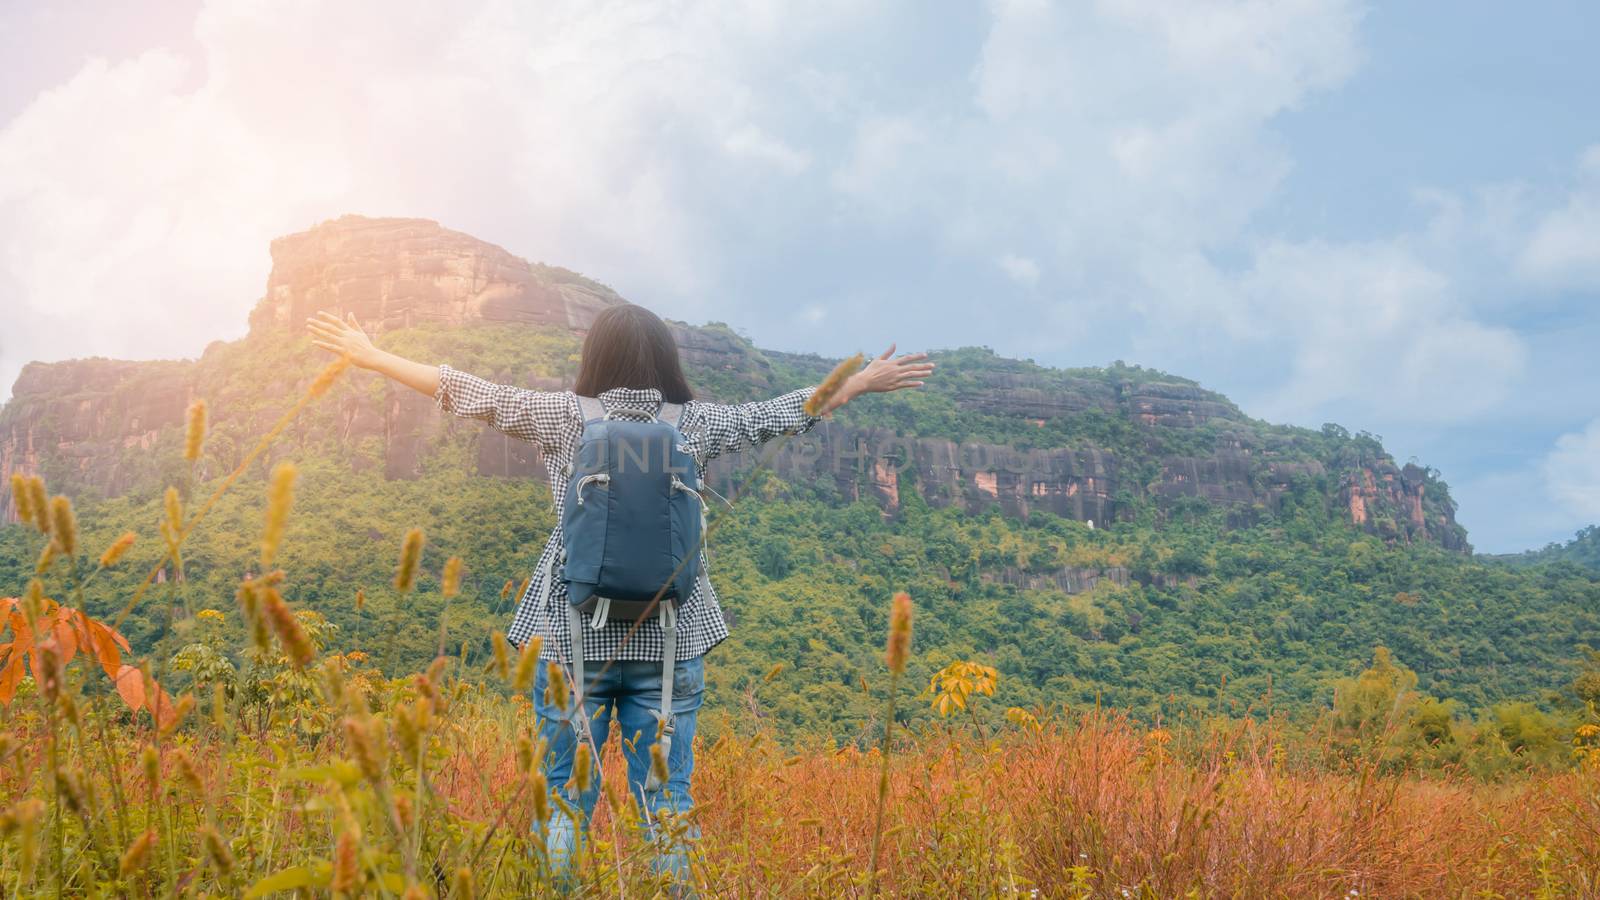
<point>551,420</point>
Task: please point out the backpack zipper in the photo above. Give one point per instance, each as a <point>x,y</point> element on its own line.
<point>599,477</point>
<point>677,484</point>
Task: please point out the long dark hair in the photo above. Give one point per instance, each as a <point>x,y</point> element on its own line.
<point>629,346</point>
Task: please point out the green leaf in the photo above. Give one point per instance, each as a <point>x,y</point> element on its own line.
<point>289,879</point>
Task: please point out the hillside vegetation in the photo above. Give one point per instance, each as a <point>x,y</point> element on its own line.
<point>1179,604</point>
<point>1583,550</point>
<point>239,753</point>
<point>243,693</point>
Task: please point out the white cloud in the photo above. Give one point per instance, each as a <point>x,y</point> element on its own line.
<point>1020,269</point>
<point>1564,248</point>
<point>1372,325</point>
<point>1126,145</point>
<point>1572,472</point>
<point>137,199</point>
<point>753,143</point>
<point>136,215</point>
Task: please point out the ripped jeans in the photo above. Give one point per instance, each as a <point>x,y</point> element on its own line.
<point>630,692</point>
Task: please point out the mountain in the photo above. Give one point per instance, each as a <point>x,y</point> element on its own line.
<point>1089,444</point>
<point>1115,533</point>
<point>1582,550</point>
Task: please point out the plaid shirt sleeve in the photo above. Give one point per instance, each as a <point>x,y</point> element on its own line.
<point>729,428</point>
<point>539,417</point>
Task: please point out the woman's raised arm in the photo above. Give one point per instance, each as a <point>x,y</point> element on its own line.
<point>345,337</point>
<point>732,427</point>
<point>534,416</point>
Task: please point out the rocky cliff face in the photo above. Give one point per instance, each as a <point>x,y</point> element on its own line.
<point>84,422</point>
<point>74,420</point>
<point>396,273</point>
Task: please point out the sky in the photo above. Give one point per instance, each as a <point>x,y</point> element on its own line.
<point>1381,215</point>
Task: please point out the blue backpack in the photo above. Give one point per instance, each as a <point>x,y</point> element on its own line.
<point>633,525</point>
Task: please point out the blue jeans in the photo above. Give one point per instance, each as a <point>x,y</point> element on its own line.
<point>630,692</point>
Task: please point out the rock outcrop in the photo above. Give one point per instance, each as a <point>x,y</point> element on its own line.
<point>1390,502</point>
<point>75,420</point>
<point>83,422</point>
<point>398,273</point>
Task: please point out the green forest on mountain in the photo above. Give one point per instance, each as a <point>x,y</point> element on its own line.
<point>1217,616</point>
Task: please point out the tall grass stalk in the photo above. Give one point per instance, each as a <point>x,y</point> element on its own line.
<point>898,650</point>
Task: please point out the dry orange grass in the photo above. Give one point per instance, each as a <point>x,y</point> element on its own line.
<point>1090,806</point>
<point>337,779</point>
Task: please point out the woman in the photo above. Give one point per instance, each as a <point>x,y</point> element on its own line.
<point>629,362</point>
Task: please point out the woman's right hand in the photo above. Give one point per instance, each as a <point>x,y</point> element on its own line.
<point>342,336</point>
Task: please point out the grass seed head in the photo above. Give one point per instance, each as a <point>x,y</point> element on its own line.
<point>658,762</point>
<point>296,643</point>
<point>541,798</point>
<point>346,869</point>
<point>425,689</point>
<point>825,392</point>
<point>22,819</point>
<point>524,754</point>
<point>522,679</point>
<point>174,507</point>
<point>333,684</point>
<point>355,699</point>
<point>150,763</point>
<point>138,854</point>
<point>114,552</point>
<point>403,810</point>
<point>450,581</point>
<point>63,525</point>
<point>502,655</point>
<point>616,798</point>
<point>49,670</point>
<point>364,746</point>
<point>328,376</point>
<point>410,556</point>
<point>187,772</point>
<point>70,783</point>
<point>280,494</point>
<point>436,669</point>
<point>20,815</point>
<point>33,600</point>
<point>217,850</point>
<point>250,604</point>
<point>180,711</point>
<point>406,730</point>
<point>899,632</point>
<point>23,498</point>
<point>195,435</point>
<point>39,502</point>
<point>556,692</point>
<point>582,768</point>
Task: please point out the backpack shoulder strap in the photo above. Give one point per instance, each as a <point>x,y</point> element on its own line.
<point>670,413</point>
<point>591,408</point>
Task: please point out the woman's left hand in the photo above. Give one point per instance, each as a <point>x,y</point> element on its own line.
<point>882,375</point>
